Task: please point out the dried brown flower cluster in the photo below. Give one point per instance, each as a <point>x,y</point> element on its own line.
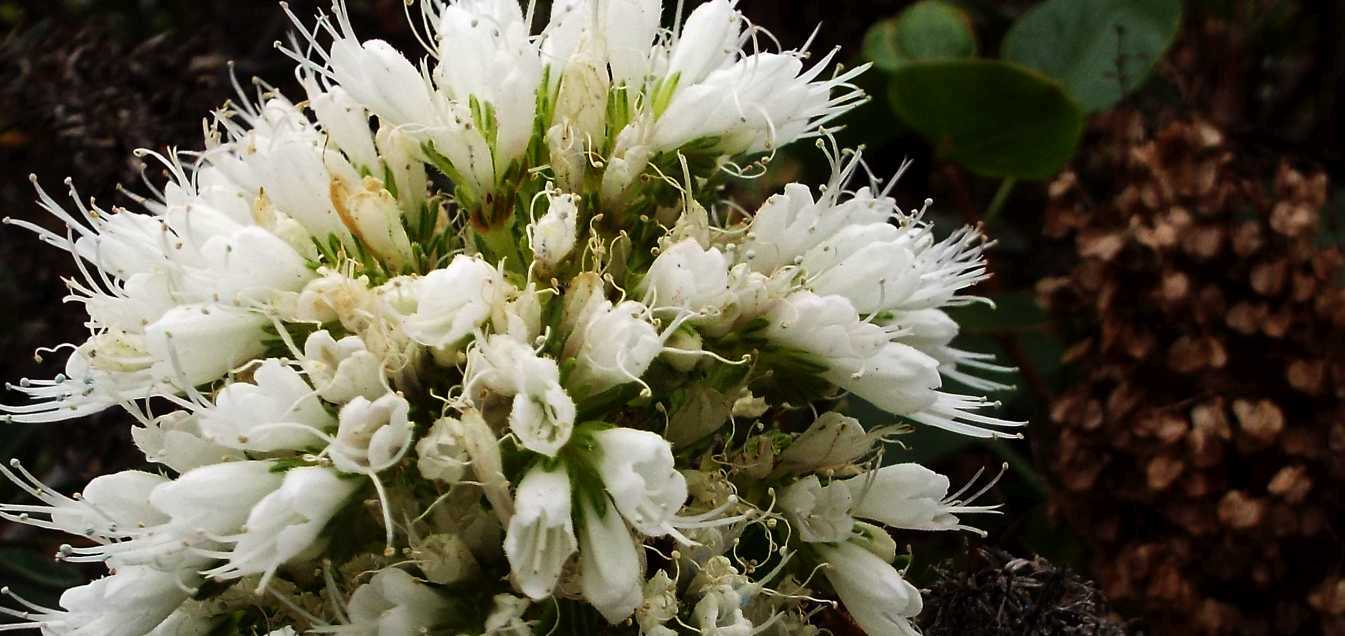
<point>993,593</point>
<point>1201,443</point>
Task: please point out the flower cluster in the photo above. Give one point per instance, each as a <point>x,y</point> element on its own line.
<point>475,345</point>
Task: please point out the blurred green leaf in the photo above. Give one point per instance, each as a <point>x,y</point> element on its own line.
<point>37,569</point>
<point>926,30</point>
<point>1100,50</point>
<point>996,119</point>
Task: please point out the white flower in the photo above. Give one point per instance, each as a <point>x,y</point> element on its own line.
<point>196,344</point>
<point>406,172</point>
<point>609,561</point>
<point>870,265</point>
<point>393,603</point>
<point>932,332</point>
<point>709,41</point>
<point>381,78</point>
<point>453,302</point>
<point>541,533</point>
<point>897,378</point>
<point>688,277</point>
<point>790,224</point>
<point>757,104</point>
<point>819,513</point>
<point>131,602</point>
<point>913,497</point>
<point>287,522</point>
<point>176,441</point>
<point>107,505</point>
<point>442,455</point>
<point>372,436</point>
<point>827,327</point>
<point>344,369</point>
<point>346,122</point>
<point>638,472</point>
<point>543,414</point>
<point>216,498</point>
<point>277,411</point>
<point>874,593</point>
<point>660,604</point>
<point>554,235</point>
<point>615,345</point>
<point>485,55</point>
<point>506,616</point>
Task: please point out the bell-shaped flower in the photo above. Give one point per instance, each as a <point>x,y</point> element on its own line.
<point>344,369</point>
<point>177,441</point>
<point>453,302</point>
<point>216,498</point>
<point>106,506</point>
<point>372,436</point>
<point>827,327</point>
<point>286,523</point>
<point>442,453</point>
<point>820,514</point>
<point>393,603</point>
<point>932,332</point>
<point>541,534</point>
<point>756,104</point>
<point>346,123</point>
<point>897,378</point>
<point>870,265</point>
<point>486,58</point>
<point>615,345</point>
<point>710,40</point>
<point>278,410</point>
<point>912,497</point>
<point>609,561</point>
<point>543,414</point>
<point>553,236</point>
<point>879,599</point>
<point>197,344</point>
<point>133,601</point>
<point>688,277</point>
<point>638,472</point>
<point>378,76</point>
<point>791,223</point>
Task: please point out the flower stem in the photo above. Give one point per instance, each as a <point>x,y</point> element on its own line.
<point>1001,197</point>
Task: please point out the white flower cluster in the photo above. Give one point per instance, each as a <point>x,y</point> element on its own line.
<point>472,345</point>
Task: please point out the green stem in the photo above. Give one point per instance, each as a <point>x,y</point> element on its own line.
<point>1001,197</point>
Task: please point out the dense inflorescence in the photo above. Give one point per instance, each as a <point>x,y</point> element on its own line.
<point>475,345</point>
<point>1200,446</point>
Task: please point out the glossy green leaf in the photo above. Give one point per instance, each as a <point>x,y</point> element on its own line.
<point>1100,50</point>
<point>996,119</point>
<point>926,30</point>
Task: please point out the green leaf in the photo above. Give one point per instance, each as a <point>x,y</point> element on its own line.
<point>1101,50</point>
<point>37,569</point>
<point>995,118</point>
<point>926,30</point>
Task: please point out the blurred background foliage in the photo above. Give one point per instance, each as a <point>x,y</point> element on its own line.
<point>1163,182</point>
